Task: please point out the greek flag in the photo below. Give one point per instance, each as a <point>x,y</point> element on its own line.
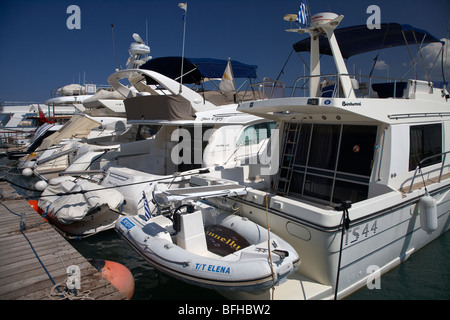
<point>146,207</point>
<point>303,14</point>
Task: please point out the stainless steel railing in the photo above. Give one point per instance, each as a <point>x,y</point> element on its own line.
<point>419,166</point>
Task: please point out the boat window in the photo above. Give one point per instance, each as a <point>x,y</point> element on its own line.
<point>27,123</point>
<point>193,145</point>
<point>356,151</point>
<point>254,134</point>
<point>4,118</point>
<point>331,163</point>
<point>324,146</point>
<point>146,131</point>
<point>28,120</point>
<point>425,141</point>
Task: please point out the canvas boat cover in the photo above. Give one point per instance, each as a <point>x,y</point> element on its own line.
<point>71,90</point>
<point>197,69</point>
<point>79,199</point>
<point>159,107</point>
<point>94,101</point>
<point>79,126</point>
<point>360,39</point>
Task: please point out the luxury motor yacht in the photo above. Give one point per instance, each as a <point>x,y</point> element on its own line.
<point>189,133</point>
<point>362,179</point>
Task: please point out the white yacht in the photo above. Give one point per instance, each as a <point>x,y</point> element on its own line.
<point>99,120</point>
<point>362,179</point>
<point>188,133</point>
<point>18,122</point>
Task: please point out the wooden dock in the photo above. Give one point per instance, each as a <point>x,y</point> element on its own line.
<point>22,275</point>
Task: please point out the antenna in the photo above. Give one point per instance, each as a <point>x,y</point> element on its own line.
<point>445,54</point>
<point>138,38</point>
<point>114,49</point>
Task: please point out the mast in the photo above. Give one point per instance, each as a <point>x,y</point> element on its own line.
<point>324,23</point>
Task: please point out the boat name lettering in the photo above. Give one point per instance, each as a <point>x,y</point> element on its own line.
<point>127,223</point>
<point>212,268</point>
<point>228,241</point>
<point>345,104</point>
<point>355,234</point>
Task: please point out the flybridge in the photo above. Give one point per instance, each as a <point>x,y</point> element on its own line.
<point>343,43</point>
<point>346,97</point>
<point>359,39</point>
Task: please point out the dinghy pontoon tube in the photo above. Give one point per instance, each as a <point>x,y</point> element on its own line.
<point>211,248</point>
<point>71,203</point>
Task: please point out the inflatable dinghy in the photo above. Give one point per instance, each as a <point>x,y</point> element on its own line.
<point>80,208</point>
<point>204,246</point>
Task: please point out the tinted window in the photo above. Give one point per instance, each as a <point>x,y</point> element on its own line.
<point>254,134</point>
<point>425,141</point>
<point>332,163</point>
<point>356,151</point>
<point>324,146</point>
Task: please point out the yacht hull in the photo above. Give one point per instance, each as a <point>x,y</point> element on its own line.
<point>382,235</point>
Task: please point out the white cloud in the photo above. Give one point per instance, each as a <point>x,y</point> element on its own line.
<point>381,65</point>
<point>432,56</point>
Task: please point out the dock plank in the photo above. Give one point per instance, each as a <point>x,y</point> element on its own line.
<point>22,276</point>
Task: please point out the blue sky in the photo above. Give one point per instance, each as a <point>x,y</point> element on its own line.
<point>39,53</point>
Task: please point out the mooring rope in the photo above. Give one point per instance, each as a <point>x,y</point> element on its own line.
<point>32,248</point>
<point>268,245</point>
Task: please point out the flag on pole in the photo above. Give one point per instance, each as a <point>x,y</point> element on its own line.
<point>227,83</point>
<point>146,207</point>
<point>42,117</point>
<point>183,5</point>
<point>303,14</point>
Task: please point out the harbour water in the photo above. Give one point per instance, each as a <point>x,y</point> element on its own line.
<point>424,276</point>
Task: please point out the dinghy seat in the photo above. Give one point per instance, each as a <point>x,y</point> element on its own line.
<point>191,235</point>
<point>224,241</point>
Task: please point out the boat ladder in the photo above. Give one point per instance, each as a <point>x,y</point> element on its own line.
<point>290,145</point>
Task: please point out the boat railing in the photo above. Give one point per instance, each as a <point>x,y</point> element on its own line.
<point>17,103</point>
<point>11,136</point>
<point>85,89</point>
<point>424,160</point>
<point>364,86</point>
<point>267,89</point>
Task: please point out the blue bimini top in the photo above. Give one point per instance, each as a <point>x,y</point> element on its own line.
<point>197,69</point>
<point>360,39</point>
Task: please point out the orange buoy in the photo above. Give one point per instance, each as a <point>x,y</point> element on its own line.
<point>35,205</point>
<point>116,273</point>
